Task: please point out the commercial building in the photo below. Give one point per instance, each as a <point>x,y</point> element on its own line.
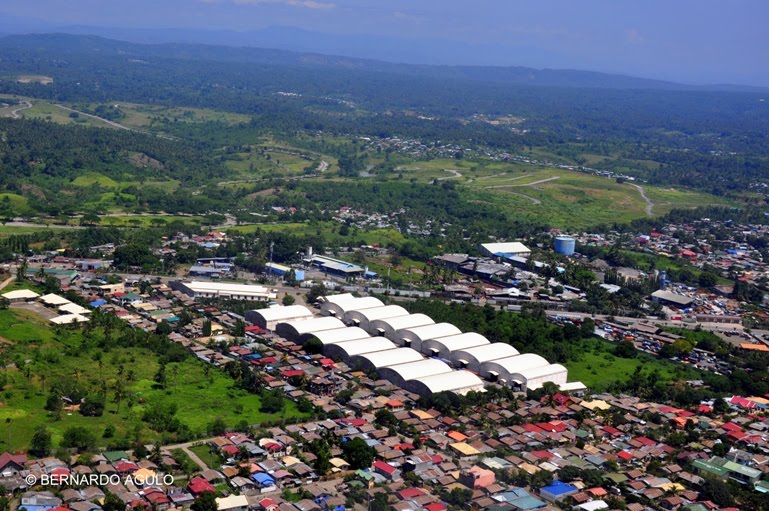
<point>224,290</point>
<point>502,369</point>
<point>472,358</point>
<point>401,373</point>
<point>443,347</point>
<point>364,317</point>
<point>459,382</point>
<point>270,317</point>
<point>664,297</point>
<point>377,360</point>
<point>533,378</point>
<point>510,249</point>
<point>414,337</point>
<point>344,350</point>
<point>390,326</point>
<point>341,307</point>
<point>299,331</point>
<point>281,271</point>
<point>336,335</point>
<point>338,267</point>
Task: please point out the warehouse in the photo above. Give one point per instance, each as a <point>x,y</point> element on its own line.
<point>20,295</point>
<point>443,347</point>
<point>532,379</point>
<point>501,370</point>
<point>270,317</point>
<point>340,308</point>
<point>505,249</point>
<point>226,290</point>
<point>344,350</point>
<point>459,382</point>
<point>472,358</point>
<point>665,297</point>
<point>388,327</point>
<point>364,317</point>
<point>401,373</point>
<point>295,330</point>
<point>414,337</point>
<point>336,335</point>
<point>281,271</point>
<point>375,361</point>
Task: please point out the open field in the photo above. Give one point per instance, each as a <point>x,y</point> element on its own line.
<point>42,357</point>
<point>597,367</point>
<point>329,231</point>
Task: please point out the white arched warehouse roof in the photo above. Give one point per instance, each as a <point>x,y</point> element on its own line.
<point>363,317</point>
<point>350,304</point>
<point>532,379</point>
<point>336,298</point>
<point>388,327</point>
<point>504,367</point>
<point>401,373</point>
<point>415,336</point>
<point>444,346</point>
<point>269,317</point>
<point>460,382</point>
<point>294,330</point>
<point>345,350</point>
<point>379,359</point>
<point>472,358</point>
<point>336,335</point>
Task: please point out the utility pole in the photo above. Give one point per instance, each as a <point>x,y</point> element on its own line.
<point>272,244</point>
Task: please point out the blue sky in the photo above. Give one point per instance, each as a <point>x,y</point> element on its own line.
<point>694,41</point>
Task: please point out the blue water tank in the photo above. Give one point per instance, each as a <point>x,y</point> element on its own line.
<point>565,245</point>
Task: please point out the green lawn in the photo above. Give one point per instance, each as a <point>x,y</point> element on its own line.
<point>598,368</point>
<point>201,393</point>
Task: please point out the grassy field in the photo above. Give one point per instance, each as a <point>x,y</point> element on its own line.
<point>201,393</point>
<point>597,367</point>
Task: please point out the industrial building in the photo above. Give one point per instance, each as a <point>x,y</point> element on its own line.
<point>665,297</point>
<point>299,331</point>
<point>459,382</point>
<point>443,347</point>
<point>472,358</point>
<point>270,317</point>
<point>225,290</point>
<point>534,377</point>
<point>336,335</point>
<point>501,369</point>
<point>415,336</point>
<point>377,360</point>
<point>390,326</point>
<point>338,267</point>
<point>565,245</point>
<point>282,270</point>
<point>364,317</point>
<point>340,308</point>
<point>401,373</point>
<point>344,350</point>
<point>510,249</point>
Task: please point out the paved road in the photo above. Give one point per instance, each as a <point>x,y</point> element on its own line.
<point>455,175</point>
<point>649,203</point>
<point>533,183</point>
<point>113,123</point>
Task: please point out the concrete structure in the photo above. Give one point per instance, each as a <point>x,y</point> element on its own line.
<point>472,358</point>
<point>401,373</point>
<point>564,245</point>
<point>67,319</point>
<point>53,300</point>
<point>344,350</point>
<point>502,369</point>
<point>534,378</point>
<point>389,327</point>
<point>375,361</point>
<point>20,295</point>
<point>73,308</point>
<point>415,336</point>
<point>667,298</point>
<point>364,317</point>
<point>335,266</point>
<point>459,382</point>
<point>510,249</point>
<point>336,335</point>
<point>443,347</point>
<point>342,307</point>
<point>300,330</point>
<point>226,290</point>
<point>270,317</point>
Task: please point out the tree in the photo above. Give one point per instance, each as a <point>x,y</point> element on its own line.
<point>217,427</point>
<point>288,299</point>
<point>160,377</point>
<point>207,328</point>
<point>313,346</point>
<point>380,502</point>
<point>358,453</point>
<point>40,445</point>
<point>113,503</point>
<point>315,292</point>
<point>79,438</point>
<point>717,491</point>
<point>206,501</point>
<point>625,349</point>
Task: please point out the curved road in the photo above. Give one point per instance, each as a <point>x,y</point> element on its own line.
<point>456,175</point>
<point>649,203</point>
<point>15,112</point>
<point>533,183</point>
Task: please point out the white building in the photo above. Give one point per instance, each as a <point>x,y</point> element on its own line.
<point>535,377</point>
<point>459,382</point>
<point>443,347</point>
<point>472,358</point>
<point>375,361</point>
<point>270,317</point>
<point>388,327</point>
<point>513,248</point>
<point>501,369</point>
<point>364,317</point>
<point>224,290</point>
<point>415,336</point>
<point>344,350</point>
<point>340,308</point>
<point>300,330</point>
<point>336,335</point>
<point>401,373</point>
<point>20,295</point>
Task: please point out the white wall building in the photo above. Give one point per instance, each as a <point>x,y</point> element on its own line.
<point>225,290</point>
<point>460,382</point>
<point>270,317</point>
<point>399,374</point>
<point>390,326</point>
<point>413,337</point>
<point>299,331</point>
<point>375,361</point>
<point>344,350</point>
<point>364,317</point>
<point>443,347</point>
<point>472,358</point>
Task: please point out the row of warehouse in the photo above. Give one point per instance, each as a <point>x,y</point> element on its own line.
<point>409,350</point>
